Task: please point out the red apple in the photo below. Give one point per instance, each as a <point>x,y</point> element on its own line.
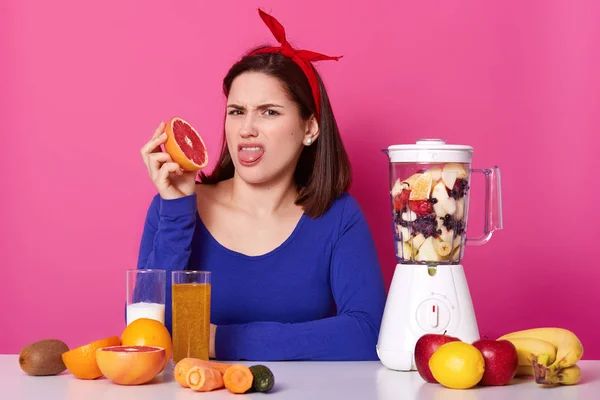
<point>501,361</point>
<point>424,348</point>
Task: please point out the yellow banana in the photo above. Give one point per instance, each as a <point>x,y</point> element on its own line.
<point>565,376</point>
<point>569,349</point>
<point>532,350</point>
<point>569,376</point>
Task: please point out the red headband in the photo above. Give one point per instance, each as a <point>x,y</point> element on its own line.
<point>301,57</point>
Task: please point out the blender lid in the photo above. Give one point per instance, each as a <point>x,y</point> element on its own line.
<point>430,151</point>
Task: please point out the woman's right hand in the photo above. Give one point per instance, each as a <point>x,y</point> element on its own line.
<point>171,181</point>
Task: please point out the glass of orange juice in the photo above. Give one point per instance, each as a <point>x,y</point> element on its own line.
<point>191,314</point>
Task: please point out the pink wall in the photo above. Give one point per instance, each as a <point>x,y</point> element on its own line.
<point>83,87</point>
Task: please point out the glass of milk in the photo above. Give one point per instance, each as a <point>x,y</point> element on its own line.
<point>146,294</point>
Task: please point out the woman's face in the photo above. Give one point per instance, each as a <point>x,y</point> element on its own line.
<point>264,130</point>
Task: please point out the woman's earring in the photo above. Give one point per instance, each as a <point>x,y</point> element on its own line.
<point>308,141</point>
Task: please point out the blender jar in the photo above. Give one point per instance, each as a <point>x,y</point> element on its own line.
<point>429,197</point>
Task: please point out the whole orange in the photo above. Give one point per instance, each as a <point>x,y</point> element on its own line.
<point>148,332</point>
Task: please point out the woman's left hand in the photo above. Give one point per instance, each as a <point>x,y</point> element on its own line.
<point>211,343</point>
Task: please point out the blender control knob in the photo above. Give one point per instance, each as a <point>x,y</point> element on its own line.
<point>433,315</point>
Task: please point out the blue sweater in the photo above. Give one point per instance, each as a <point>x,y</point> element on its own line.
<point>318,296</point>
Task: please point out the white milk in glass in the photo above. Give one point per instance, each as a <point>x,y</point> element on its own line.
<point>145,310</point>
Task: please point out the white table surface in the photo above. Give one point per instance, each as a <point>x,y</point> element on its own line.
<point>293,380</point>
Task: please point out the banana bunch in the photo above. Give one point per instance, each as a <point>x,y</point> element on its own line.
<point>548,354</point>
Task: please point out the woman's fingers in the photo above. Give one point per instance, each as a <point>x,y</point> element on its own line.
<point>160,129</point>
<point>158,137</point>
<point>165,170</point>
<point>155,160</point>
<point>161,167</point>
<point>153,145</point>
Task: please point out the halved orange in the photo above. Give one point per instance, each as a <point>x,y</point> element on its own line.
<point>185,145</point>
<point>421,187</point>
<point>81,361</point>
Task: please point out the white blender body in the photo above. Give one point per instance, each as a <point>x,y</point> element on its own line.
<point>429,192</point>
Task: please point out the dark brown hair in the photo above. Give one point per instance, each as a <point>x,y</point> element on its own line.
<point>323,171</point>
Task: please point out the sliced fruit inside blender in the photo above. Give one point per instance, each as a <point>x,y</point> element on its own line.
<point>410,182</point>
<point>429,210</point>
<point>422,187</point>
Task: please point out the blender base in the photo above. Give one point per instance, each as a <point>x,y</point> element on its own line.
<point>419,303</point>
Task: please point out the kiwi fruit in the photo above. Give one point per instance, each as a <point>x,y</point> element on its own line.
<point>43,358</point>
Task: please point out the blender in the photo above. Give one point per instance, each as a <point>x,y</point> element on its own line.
<point>429,198</point>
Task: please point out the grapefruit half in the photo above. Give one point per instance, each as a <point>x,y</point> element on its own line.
<point>130,365</point>
<point>148,332</point>
<point>185,145</point>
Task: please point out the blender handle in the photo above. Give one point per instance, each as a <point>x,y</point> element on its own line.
<point>493,205</point>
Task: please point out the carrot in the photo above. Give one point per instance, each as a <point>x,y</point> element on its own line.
<point>184,365</point>
<point>238,378</point>
<point>203,379</point>
<point>181,370</point>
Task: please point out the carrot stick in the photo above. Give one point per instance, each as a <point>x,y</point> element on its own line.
<point>184,365</point>
<point>238,378</point>
<point>204,379</point>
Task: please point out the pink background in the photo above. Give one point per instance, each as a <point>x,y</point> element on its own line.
<point>83,86</point>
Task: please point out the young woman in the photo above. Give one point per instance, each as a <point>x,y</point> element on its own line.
<point>295,274</point>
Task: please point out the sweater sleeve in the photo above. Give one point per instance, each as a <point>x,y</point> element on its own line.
<point>167,239</point>
<point>359,293</point>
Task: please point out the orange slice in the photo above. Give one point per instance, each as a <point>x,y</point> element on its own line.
<point>411,181</point>
<point>81,362</point>
<point>422,187</point>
